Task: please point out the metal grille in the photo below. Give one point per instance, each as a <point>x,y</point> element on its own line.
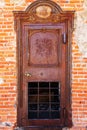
<point>43,100</point>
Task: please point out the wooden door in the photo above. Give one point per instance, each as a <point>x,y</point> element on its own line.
<point>44,60</point>
<point>43,75</point>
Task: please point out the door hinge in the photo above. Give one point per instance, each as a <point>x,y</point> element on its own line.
<point>64,38</point>
<point>64,112</point>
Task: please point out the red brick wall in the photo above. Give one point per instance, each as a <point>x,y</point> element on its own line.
<point>8,69</point>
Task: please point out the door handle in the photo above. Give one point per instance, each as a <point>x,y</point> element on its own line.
<point>28,74</point>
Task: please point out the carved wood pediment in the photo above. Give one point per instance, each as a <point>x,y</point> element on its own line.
<point>44,11</point>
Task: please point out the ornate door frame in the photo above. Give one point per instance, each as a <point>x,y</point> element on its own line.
<point>45,12</point>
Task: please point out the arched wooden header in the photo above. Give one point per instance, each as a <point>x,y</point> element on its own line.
<point>44,11</point>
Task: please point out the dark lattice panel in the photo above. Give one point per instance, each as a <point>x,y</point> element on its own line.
<point>43,100</point>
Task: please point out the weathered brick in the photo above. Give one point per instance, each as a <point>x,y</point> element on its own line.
<point>8,70</point>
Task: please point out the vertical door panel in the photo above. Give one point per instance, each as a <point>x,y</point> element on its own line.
<point>43,63</point>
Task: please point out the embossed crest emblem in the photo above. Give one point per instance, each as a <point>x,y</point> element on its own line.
<point>43,11</point>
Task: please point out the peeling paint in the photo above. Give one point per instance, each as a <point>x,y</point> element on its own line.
<point>2,3</point>
<point>81,30</point>
<point>17,2</point>
<point>6,124</point>
<point>9,59</point>
<point>85,4</point>
<point>1,80</point>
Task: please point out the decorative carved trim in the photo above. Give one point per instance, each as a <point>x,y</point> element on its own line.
<point>54,7</point>
<point>44,47</point>
<point>44,11</point>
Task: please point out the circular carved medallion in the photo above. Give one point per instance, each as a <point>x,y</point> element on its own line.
<point>43,11</point>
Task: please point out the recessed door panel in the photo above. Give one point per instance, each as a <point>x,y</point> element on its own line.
<point>42,58</point>
<point>43,48</point>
